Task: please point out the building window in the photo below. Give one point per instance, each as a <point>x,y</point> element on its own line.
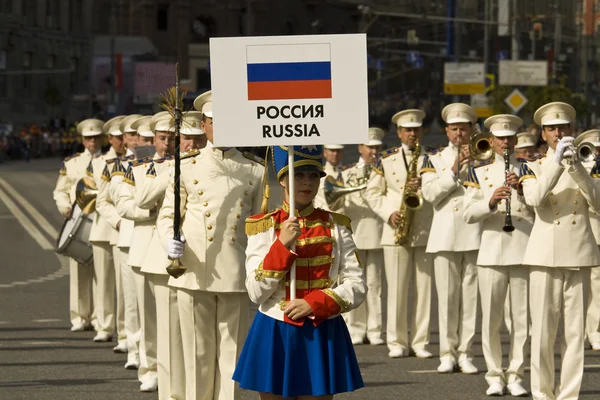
<point>73,74</point>
<point>162,17</point>
<point>27,76</point>
<point>51,61</point>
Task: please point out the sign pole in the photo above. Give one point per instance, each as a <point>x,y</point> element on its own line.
<point>292,191</point>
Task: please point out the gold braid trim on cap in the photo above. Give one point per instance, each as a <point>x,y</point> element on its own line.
<point>341,219</point>
<point>254,226</point>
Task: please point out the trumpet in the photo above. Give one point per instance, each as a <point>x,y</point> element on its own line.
<point>335,190</point>
<point>480,147</point>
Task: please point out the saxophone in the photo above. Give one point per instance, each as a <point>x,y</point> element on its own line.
<point>411,201</point>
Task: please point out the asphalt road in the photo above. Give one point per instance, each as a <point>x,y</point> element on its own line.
<point>41,359</point>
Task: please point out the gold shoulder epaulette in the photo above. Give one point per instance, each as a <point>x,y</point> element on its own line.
<point>341,219</point>
<point>260,223</point>
<point>345,167</point>
<point>389,152</point>
<point>254,157</point>
<point>141,161</point>
<point>484,163</point>
<point>72,156</point>
<point>189,154</point>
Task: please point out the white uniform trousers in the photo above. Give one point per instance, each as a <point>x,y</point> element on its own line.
<point>456,284</point>
<point>147,311</point>
<point>404,265</point>
<point>552,292</point>
<point>132,318</point>
<point>104,283</point>
<point>80,292</point>
<point>120,306</point>
<point>366,319</point>
<point>592,322</point>
<point>214,326</point>
<point>169,349</point>
<point>494,282</point>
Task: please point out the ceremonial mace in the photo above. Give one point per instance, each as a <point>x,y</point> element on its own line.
<point>176,269</point>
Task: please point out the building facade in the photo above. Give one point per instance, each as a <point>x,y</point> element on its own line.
<point>45,50</point>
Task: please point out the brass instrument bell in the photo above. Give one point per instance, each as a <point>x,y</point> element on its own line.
<point>480,147</point>
<point>85,195</point>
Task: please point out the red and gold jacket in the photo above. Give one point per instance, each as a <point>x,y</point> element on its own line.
<point>328,273</point>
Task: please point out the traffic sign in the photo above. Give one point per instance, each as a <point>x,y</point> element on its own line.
<point>523,73</point>
<point>464,78</point>
<point>516,100</point>
<point>480,104</point>
<point>490,82</point>
<point>501,55</point>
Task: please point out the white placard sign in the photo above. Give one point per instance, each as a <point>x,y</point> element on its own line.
<point>523,73</point>
<point>289,90</point>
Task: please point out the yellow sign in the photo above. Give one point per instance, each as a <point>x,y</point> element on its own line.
<point>516,100</point>
<point>490,82</point>
<point>484,112</point>
<point>464,88</point>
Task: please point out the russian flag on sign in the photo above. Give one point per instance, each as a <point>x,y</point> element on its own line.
<point>288,72</point>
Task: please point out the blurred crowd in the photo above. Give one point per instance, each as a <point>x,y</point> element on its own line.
<point>52,140</point>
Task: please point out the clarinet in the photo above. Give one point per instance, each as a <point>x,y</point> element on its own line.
<point>508,226</point>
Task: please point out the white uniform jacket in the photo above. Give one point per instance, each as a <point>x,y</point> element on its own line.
<point>101,231</point>
<point>116,179</point>
<point>219,190</point>
<point>150,193</point>
<point>385,193</point>
<point>320,202</point>
<point>72,170</point>
<point>143,219</point>
<point>497,247</point>
<point>440,187</point>
<point>334,282</point>
<point>366,224</point>
<point>105,205</point>
<point>561,196</point>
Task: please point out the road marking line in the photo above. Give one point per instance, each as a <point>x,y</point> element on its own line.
<point>4,322</point>
<point>62,271</point>
<point>425,371</point>
<point>43,321</point>
<point>33,231</point>
<point>2,217</point>
<point>35,214</point>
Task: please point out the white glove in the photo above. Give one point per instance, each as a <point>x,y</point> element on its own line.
<point>175,247</point>
<point>564,149</point>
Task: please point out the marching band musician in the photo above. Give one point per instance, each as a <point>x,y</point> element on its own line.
<point>592,321</point>
<point>489,194</point>
<point>149,193</point>
<point>561,191</point>
<point>300,348</point>
<point>365,321</point>
<point>220,188</point>
<point>406,259</point>
<point>143,220</point>
<point>125,227</point>
<point>103,239</point>
<point>525,147</point>
<point>452,241</point>
<point>334,155</point>
<point>74,169</point>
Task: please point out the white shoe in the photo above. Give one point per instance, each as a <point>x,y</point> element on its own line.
<point>467,367</point>
<point>398,353</point>
<point>376,341</point>
<point>516,390</point>
<point>80,327</point>
<point>356,340</point>
<point>121,347</point>
<point>596,346</point>
<point>132,364</point>
<point>151,385</point>
<point>446,366</point>
<point>422,353</point>
<point>495,389</point>
<point>102,337</point>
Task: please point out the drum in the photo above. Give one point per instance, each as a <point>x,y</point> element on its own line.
<point>73,240</point>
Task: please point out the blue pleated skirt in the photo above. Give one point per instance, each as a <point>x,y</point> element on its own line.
<point>290,361</point>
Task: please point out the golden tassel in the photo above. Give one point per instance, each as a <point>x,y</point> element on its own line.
<point>264,206</point>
